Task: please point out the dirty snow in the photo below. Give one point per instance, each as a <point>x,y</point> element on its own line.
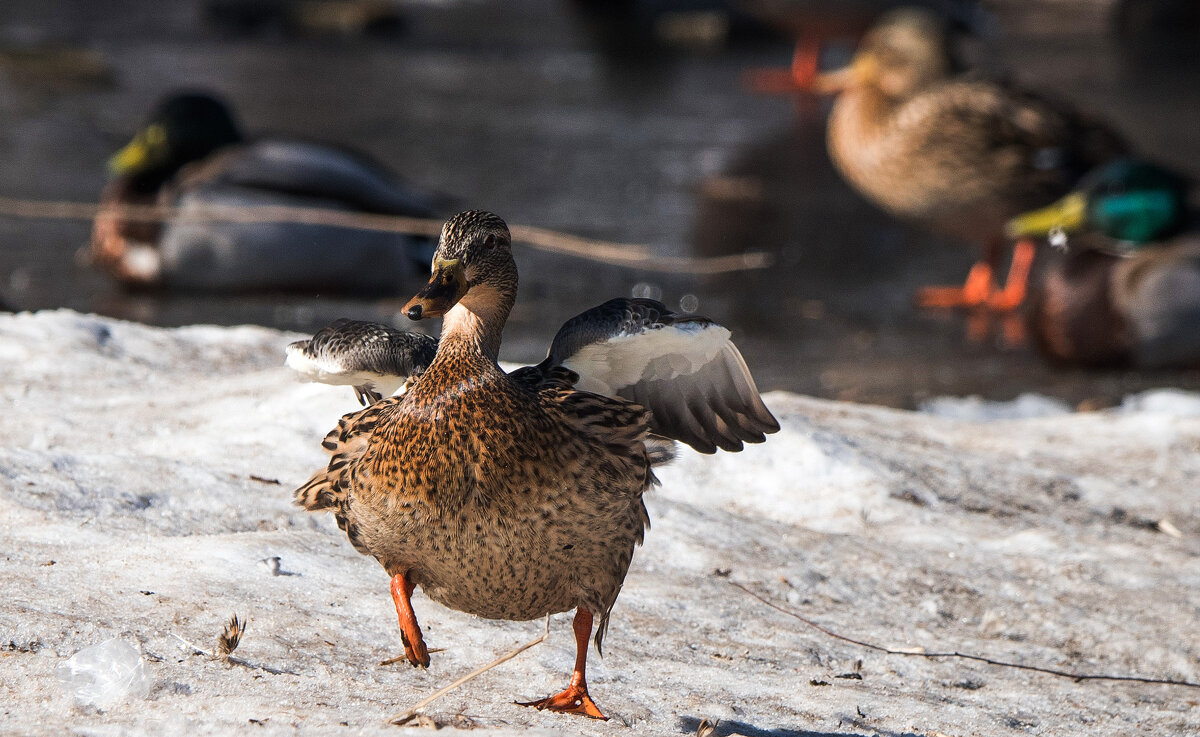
<point>145,487</point>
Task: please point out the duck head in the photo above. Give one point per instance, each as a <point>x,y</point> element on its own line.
<point>182,129</point>
<point>1132,202</point>
<point>473,265</point>
<point>904,52</point>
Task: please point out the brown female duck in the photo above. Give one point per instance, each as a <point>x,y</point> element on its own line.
<point>511,496</point>
<point>959,154</point>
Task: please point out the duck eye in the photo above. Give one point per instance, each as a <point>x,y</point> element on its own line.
<point>490,241</point>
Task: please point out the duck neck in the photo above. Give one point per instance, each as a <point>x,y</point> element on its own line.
<point>473,326</point>
<point>862,115</point>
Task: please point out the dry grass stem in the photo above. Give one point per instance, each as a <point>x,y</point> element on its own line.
<point>921,652</point>
<point>407,716</point>
<point>404,658</point>
<point>620,254</point>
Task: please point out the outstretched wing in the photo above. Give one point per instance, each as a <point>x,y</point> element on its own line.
<point>375,359</point>
<point>683,369</point>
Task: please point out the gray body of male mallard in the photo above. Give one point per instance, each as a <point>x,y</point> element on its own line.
<point>191,155</point>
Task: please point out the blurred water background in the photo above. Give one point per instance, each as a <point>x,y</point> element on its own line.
<point>534,110</point>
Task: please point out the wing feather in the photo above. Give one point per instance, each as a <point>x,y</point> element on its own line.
<point>684,369</point>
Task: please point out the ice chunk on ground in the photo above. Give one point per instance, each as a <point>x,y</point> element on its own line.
<point>104,675</point>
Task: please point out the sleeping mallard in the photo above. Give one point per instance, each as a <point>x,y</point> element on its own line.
<point>191,154</point>
<point>958,154</point>
<point>515,495</point>
<point>1127,289</point>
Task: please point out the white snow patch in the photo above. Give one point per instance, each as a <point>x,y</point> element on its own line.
<point>1170,402</point>
<point>146,475</point>
<point>977,409</point>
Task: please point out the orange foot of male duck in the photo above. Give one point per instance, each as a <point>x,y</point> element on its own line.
<point>979,290</point>
<point>575,699</point>
<point>801,77</point>
<point>410,632</point>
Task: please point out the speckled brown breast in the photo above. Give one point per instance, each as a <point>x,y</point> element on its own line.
<point>494,501</point>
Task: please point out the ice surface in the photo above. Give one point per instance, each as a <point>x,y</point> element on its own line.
<point>145,482</point>
<point>104,675</point>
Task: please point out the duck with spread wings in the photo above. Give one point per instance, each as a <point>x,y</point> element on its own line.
<point>515,495</point>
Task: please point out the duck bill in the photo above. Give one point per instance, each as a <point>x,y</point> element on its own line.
<point>1069,214</point>
<point>832,82</point>
<point>140,153</point>
<point>446,287</point>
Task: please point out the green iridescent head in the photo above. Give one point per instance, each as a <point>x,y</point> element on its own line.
<point>1134,202</point>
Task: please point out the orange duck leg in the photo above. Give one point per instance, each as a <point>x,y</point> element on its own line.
<point>410,631</point>
<point>1013,294</point>
<point>575,699</point>
<point>980,290</point>
<point>800,77</point>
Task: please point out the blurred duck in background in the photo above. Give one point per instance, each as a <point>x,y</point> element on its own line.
<point>813,23</point>
<point>1126,292</point>
<point>192,155</point>
<point>956,153</point>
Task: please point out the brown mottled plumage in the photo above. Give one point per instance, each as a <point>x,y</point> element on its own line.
<point>959,154</point>
<point>498,496</point>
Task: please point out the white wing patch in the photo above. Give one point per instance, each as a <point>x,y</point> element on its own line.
<point>663,353</point>
<point>327,371</point>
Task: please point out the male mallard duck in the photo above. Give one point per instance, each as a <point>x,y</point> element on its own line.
<point>1127,291</point>
<point>191,154</point>
<point>374,359</point>
<point>1129,201</point>
<point>511,496</point>
<point>959,154</point>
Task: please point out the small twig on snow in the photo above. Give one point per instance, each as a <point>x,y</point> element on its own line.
<point>405,717</point>
<point>965,656</point>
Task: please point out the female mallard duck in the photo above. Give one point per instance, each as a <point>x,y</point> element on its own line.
<point>511,496</point>
<point>191,154</point>
<point>959,154</point>
<point>1127,291</point>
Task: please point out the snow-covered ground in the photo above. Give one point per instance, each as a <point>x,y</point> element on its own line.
<point>145,480</point>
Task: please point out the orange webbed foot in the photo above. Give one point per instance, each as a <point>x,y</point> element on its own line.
<point>974,292</point>
<point>574,700</point>
<point>416,653</point>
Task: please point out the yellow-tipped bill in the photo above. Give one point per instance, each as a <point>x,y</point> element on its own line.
<point>140,153</point>
<point>446,287</point>
<point>1068,214</point>
<point>862,68</point>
